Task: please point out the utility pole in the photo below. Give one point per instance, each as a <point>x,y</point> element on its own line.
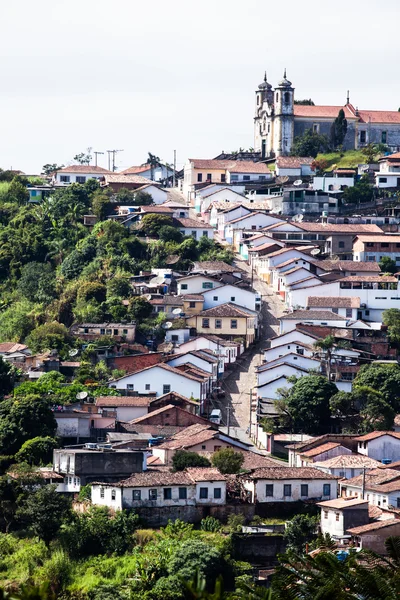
<point>109,159</point>
<point>114,153</point>
<point>173,174</point>
<point>228,418</point>
<point>363,485</point>
<point>95,157</point>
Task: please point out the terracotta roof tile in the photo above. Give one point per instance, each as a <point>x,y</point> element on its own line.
<point>193,223</point>
<point>340,228</point>
<point>320,449</point>
<point>83,169</point>
<point>126,179</point>
<point>373,526</point>
<point>134,170</point>
<point>341,503</point>
<point>347,265</point>
<point>333,302</point>
<point>390,239</point>
<point>313,315</point>
<point>213,265</point>
<point>379,116</point>
<point>327,112</point>
<point>227,310</point>
<point>349,461</point>
<point>123,401</point>
<point>289,473</point>
<point>376,434</point>
<point>293,162</point>
<point>371,278</point>
<point>205,474</point>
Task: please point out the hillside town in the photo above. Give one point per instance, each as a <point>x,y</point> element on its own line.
<point>214,348</point>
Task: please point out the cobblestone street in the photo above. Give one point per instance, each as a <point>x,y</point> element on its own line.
<point>240,381</point>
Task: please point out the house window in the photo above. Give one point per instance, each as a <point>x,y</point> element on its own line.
<point>194,233</point>
<point>315,127</point>
<point>207,285</point>
<point>304,490</point>
<point>287,489</point>
<point>335,310</point>
<point>349,313</point>
<point>125,332</point>
<point>233,323</point>
<point>166,388</point>
<point>113,494</point>
<point>341,244</point>
<point>184,286</point>
<point>216,448</point>
<point>398,502</point>
<point>269,489</point>
<point>217,493</point>
<point>80,179</point>
<point>277,97</point>
<point>167,493</point>
<point>337,516</point>
<point>101,492</point>
<point>205,234</point>
<point>234,177</point>
<point>147,386</point>
<point>86,330</point>
<point>223,178</point>
<point>64,178</point>
<point>199,177</point>
<point>384,137</point>
<point>233,298</point>
<point>129,386</point>
<point>209,176</point>
<point>215,298</point>
<point>246,177</point>
<point>116,331</point>
<point>205,323</point>
<point>102,331</point>
<point>203,493</point>
<point>136,495</point>
<point>218,324</point>
<point>182,493</point>
<point>152,494</point>
<point>174,338</point>
<point>326,489</point>
<point>363,137</point>
<point>108,331</point>
<point>325,514</point>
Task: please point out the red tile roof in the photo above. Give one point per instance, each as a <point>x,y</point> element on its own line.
<point>320,449</point>
<point>227,310</point>
<point>83,169</point>
<point>371,278</point>
<point>390,239</point>
<point>133,170</point>
<point>313,315</point>
<point>293,162</point>
<point>346,502</point>
<point>205,474</point>
<point>333,302</point>
<point>323,112</point>
<point>7,347</point>
<point>234,166</point>
<point>351,461</point>
<point>289,473</point>
<point>192,223</point>
<point>374,526</point>
<point>343,228</point>
<point>379,116</point>
<point>347,265</point>
<point>377,434</point>
<point>123,401</point>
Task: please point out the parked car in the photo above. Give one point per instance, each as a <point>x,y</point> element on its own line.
<point>215,416</point>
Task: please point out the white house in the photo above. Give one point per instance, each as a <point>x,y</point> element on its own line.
<point>220,218</point>
<point>294,166</point>
<point>318,317</point>
<point>253,221</point>
<point>292,336</point>
<point>126,408</point>
<point>347,465</point>
<point>339,180</point>
<point>203,361</point>
<point>227,350</point>
<point>161,379</point>
<point>78,174</point>
<point>278,351</point>
<point>196,284</point>
<point>269,391</point>
<point>194,228</point>
<point>380,487</point>
<point>177,335</point>
<point>271,374</point>
<point>344,307</point>
<point>372,248</point>
<point>292,359</point>
<point>289,484</point>
<point>380,445</point>
<point>231,293</point>
<point>159,489</point>
<point>321,452</point>
<point>388,175</point>
<point>338,515</point>
<point>158,173</point>
<point>158,194</point>
<point>220,196</point>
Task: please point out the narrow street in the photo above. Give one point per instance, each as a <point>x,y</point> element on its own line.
<point>239,382</point>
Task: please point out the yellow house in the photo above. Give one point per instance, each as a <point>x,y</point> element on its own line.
<point>192,304</point>
<point>201,171</point>
<point>228,321</point>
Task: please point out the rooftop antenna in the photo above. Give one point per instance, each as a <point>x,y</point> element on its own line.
<point>95,157</point>
<point>348,97</point>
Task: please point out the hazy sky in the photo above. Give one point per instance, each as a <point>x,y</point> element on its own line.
<point>156,75</point>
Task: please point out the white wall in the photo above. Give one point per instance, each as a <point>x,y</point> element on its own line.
<point>195,360</point>
<point>196,233</point>
<point>128,413</point>
<point>182,335</point>
<point>290,324</point>
<point>227,353</point>
<point>278,370</point>
<point>324,183</point>
<point>276,352</point>
<point>107,500</point>
<point>230,293</point>
<point>73,175</point>
<point>297,360</point>
<point>195,285</point>
<point>211,485</point>
<point>382,447</point>
<point>269,390</point>
<point>315,489</point>
<point>159,196</point>
<point>329,524</point>
<point>290,337</point>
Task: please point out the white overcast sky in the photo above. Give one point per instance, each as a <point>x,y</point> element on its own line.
<point>157,76</point>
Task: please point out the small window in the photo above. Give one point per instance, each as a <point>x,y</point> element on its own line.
<point>184,286</point>
<point>315,127</point>
<point>174,338</point>
<point>108,331</point>
<point>269,490</point>
<point>199,177</point>
<point>287,489</point>
<point>209,176</point>
<point>129,386</point>
<point>125,332</point>
<point>167,493</point>
<point>304,490</point>
<point>325,514</point>
<point>218,324</point>
<point>80,179</point>
<point>327,489</point>
<point>203,493</point>
<point>398,502</point>
<point>203,447</point>
<point>101,492</point>
<point>246,177</point>
<point>349,313</point>
<point>217,493</point>
<point>207,285</point>
<point>113,494</point>
<point>233,324</point>
<point>166,389</point>
<point>136,495</point>
<point>192,304</point>
<point>233,298</point>
<point>335,311</point>
<point>341,244</point>
<point>215,298</point>
<point>64,178</point>
<point>382,180</point>
<point>147,387</point>
<point>337,516</point>
<point>277,97</point>
<point>152,494</point>
<point>223,178</point>
<point>102,331</point>
<point>182,493</point>
<point>384,137</point>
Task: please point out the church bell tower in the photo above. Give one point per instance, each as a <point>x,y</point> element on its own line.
<point>283,117</point>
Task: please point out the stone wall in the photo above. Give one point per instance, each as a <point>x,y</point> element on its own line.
<point>258,547</point>
<point>158,517</point>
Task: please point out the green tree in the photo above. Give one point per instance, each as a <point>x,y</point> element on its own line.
<point>388,265</point>
<point>309,144</point>
<point>360,192</point>
<point>142,198</point>
<point>50,336</point>
<point>152,223</point>
<point>119,287</point>
<point>183,459</point>
<point>306,405</point>
<point>23,418</point>
<point>338,130</point>
<point>84,158</point>
<point>385,378</point>
<point>227,461</point>
<point>101,205</point>
<point>370,152</point>
<point>196,557</point>
<point>37,282</point>
<point>17,191</point>
<point>328,345</point>
<point>391,318</point>
<point>6,377</point>
<point>168,233</point>
<point>37,451</point>
<point>92,290</point>
<point>300,530</point>
<point>50,168</point>
<point>45,511</point>
<point>154,162</point>
<point>139,308</point>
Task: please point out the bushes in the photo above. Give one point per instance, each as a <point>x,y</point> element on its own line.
<point>182,460</point>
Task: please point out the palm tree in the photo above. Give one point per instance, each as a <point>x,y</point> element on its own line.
<point>328,345</point>
<point>153,161</point>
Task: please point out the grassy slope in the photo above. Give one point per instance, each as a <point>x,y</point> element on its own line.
<point>350,159</point>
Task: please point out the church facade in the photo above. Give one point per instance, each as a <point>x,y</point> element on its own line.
<point>278,120</point>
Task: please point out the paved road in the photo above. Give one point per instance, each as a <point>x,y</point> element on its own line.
<point>242,378</point>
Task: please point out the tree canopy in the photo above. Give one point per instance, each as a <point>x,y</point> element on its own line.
<point>310,143</point>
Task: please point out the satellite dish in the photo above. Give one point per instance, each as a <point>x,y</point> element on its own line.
<point>298,218</point>
<point>167,325</point>
<point>315,252</point>
<point>177,311</point>
<point>81,395</point>
<point>73,352</point>
<point>298,182</point>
